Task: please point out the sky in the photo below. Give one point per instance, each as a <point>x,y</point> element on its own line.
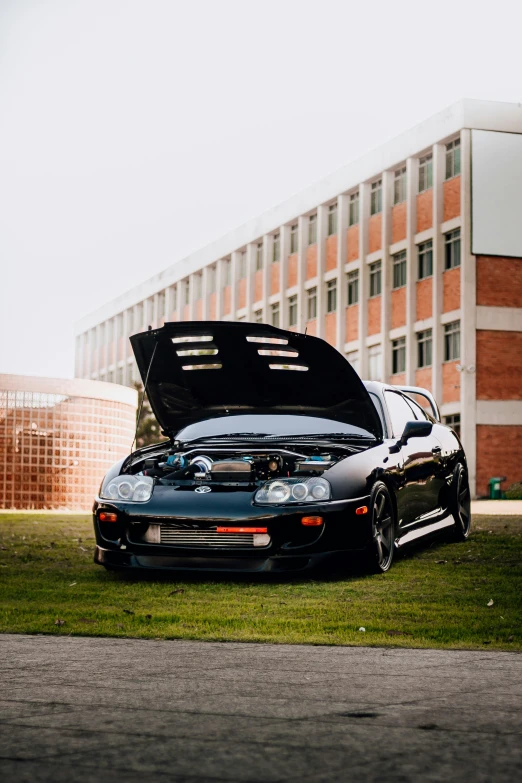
<point>133,132</point>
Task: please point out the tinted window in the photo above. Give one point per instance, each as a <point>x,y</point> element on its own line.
<point>400,412</point>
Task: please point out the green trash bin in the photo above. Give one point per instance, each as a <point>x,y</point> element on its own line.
<point>495,493</point>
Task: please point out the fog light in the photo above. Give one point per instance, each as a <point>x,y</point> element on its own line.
<point>312,521</point>
<point>107,516</point>
<point>261,539</point>
<point>153,534</point>
<point>361,510</point>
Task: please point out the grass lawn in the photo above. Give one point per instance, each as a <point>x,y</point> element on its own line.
<point>435,596</point>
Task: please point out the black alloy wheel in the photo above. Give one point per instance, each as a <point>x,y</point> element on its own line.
<point>461,504</point>
<point>382,546</point>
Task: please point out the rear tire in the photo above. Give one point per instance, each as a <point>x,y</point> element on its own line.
<point>381,549</point>
<point>461,504</point>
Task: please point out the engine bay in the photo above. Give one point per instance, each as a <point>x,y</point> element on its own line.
<point>235,466</point>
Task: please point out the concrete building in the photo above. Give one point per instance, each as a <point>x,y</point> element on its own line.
<point>58,437</point>
<point>408,260</point>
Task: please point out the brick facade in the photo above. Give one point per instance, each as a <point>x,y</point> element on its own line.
<point>399,222</point>
<point>498,454</point>
<point>352,322</point>
<point>499,281</point>
<point>331,253</point>
<point>274,277</point>
<point>292,270</point>
<point>499,376</point>
<point>425,210</point>
<point>424,300</point>
<point>374,315</point>
<point>451,198</point>
<point>352,243</point>
<point>450,382</point>
<point>311,262</point>
<point>375,233</point>
<point>451,290</point>
<point>398,307</point>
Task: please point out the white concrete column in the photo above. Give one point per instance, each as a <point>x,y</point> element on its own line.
<point>412,179</point>
<point>364,282</point>
<point>192,300</point>
<point>302,241</point>
<point>234,266</point>
<point>204,293</point>
<point>266,281</point>
<point>126,329</point>
<point>179,301</point>
<point>468,317</point>
<point>342,288</point>
<point>322,218</point>
<point>439,159</point>
<point>156,315</point>
<point>284,240</point>
<point>250,255</point>
<point>219,290</point>
<point>387,201</point>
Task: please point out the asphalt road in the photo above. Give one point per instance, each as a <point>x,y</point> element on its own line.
<point>76,709</point>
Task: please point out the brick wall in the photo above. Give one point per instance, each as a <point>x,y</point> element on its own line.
<point>199,309</point>
<point>241,293</point>
<point>274,277</point>
<point>451,191</point>
<point>498,454</point>
<point>352,243</point>
<point>258,285</point>
<point>186,312</point>
<point>399,379</point>
<point>499,281</point>
<point>399,222</point>
<point>375,233</point>
<point>499,374</point>
<point>311,262</point>
<point>311,327</point>
<point>331,253</point>
<point>423,379</point>
<point>424,210</point>
<point>424,299</point>
<point>352,322</point>
<point>398,307</point>
<point>330,328</point>
<point>451,290</point>
<point>450,382</point>
<point>292,270</point>
<point>374,315</point>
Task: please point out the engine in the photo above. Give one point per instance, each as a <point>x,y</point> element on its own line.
<point>234,466</point>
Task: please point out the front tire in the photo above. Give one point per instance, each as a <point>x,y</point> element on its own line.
<point>382,546</point>
<point>461,504</point>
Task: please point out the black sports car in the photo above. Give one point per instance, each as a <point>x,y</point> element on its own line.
<point>278,456</point>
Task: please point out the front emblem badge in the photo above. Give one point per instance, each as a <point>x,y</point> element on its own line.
<point>203,489</point>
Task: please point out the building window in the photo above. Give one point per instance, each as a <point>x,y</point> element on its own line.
<point>274,314</point>
<point>258,317</point>
<point>226,271</point>
<point>353,287</point>
<point>375,278</point>
<point>353,358</point>
<point>332,220</point>
<point>399,186</point>
<point>453,421</point>
<point>311,304</point>
<point>425,173</point>
<point>452,249</point>
<point>187,291</point>
<point>276,248</point>
<point>424,345</point>
<point>375,363</point>
<point>294,238</point>
<point>353,209</point>
<point>312,229</point>
<point>452,341</point>
<point>292,310</point>
<point>399,269</point>
<point>376,197</point>
<point>425,259</point>
<point>453,159</point>
<point>259,256</point>
<point>242,266</point>
<point>331,296</point>
<point>399,355</point>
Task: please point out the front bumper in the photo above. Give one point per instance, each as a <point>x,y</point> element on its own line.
<point>292,547</point>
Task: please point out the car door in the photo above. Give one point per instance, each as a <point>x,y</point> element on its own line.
<point>416,496</point>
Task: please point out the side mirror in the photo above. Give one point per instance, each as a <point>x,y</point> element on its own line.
<point>416,429</point>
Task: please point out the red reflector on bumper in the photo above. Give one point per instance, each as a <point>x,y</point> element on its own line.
<point>312,521</point>
<point>361,510</point>
<point>107,516</point>
<point>242,529</point>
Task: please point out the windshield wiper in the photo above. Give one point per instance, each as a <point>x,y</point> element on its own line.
<point>229,435</point>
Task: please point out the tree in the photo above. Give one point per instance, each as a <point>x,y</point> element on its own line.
<point>148,428</point>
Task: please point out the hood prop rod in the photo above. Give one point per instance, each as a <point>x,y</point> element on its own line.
<point>143,396</point>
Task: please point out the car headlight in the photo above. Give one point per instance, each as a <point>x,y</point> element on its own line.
<point>312,490</point>
<point>133,489</point>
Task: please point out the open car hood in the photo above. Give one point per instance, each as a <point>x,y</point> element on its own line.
<point>247,368</point>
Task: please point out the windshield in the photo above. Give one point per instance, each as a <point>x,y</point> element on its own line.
<point>262,424</point>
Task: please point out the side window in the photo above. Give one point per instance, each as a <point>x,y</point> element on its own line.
<point>418,410</point>
<point>400,412</point>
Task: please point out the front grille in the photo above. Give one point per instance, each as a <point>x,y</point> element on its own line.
<point>206,538</point>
